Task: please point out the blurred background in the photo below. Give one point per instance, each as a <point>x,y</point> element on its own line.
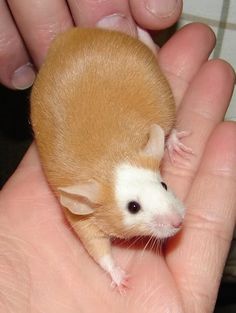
<point>16,134</point>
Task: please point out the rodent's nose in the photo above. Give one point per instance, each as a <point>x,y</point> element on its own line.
<point>176,223</point>
<point>175,220</point>
<point>172,219</point>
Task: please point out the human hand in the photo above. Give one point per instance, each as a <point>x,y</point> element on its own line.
<point>44,268</point>
<point>27,27</point>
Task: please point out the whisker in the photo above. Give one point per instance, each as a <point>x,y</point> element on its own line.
<point>153,243</point>
<point>145,247</point>
<point>138,238</point>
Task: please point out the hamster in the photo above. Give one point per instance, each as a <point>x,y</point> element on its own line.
<point>100,111</point>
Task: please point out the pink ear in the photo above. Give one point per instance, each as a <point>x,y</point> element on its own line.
<point>156,142</point>
<point>79,198</point>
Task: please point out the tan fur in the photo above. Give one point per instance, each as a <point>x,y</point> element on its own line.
<point>92,105</point>
<point>96,242</point>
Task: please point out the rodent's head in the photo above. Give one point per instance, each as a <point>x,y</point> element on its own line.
<point>148,206</point>
<point>135,202</point>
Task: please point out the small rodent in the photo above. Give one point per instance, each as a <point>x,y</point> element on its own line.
<point>100,111</point>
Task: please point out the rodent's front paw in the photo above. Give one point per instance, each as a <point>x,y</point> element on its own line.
<point>174,144</point>
<point>117,274</point>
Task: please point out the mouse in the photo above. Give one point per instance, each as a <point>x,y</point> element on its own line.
<point>101,110</point>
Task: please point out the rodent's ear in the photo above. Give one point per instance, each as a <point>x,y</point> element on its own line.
<point>156,142</point>
<point>80,198</point>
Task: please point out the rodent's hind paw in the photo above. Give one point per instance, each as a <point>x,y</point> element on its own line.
<point>119,280</point>
<point>174,145</point>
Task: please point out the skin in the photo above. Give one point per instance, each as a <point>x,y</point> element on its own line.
<point>44,268</point>
<point>25,39</point>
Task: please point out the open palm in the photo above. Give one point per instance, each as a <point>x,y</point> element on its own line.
<point>44,268</point>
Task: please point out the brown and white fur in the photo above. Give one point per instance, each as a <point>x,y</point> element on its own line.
<point>100,110</point>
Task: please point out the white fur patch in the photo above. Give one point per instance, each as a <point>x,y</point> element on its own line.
<point>118,275</point>
<point>107,263</point>
<point>144,186</point>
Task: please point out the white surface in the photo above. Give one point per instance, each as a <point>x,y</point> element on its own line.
<point>212,12</point>
<point>209,8</point>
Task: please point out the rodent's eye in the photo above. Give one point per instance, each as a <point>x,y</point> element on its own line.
<point>164,185</point>
<point>134,207</point>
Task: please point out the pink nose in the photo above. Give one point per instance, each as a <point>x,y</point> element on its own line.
<point>171,219</point>
<point>176,222</point>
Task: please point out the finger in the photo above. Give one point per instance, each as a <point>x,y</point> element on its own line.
<point>198,255</point>
<point>39,22</point>
<point>30,159</point>
<point>15,69</point>
<point>181,57</point>
<point>203,107</point>
<point>156,14</point>
<point>29,164</point>
<point>107,14</point>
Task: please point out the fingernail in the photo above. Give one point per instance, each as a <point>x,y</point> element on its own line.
<point>117,22</point>
<point>23,77</point>
<point>161,8</point>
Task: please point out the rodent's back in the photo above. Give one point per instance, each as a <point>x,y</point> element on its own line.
<point>94,100</point>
